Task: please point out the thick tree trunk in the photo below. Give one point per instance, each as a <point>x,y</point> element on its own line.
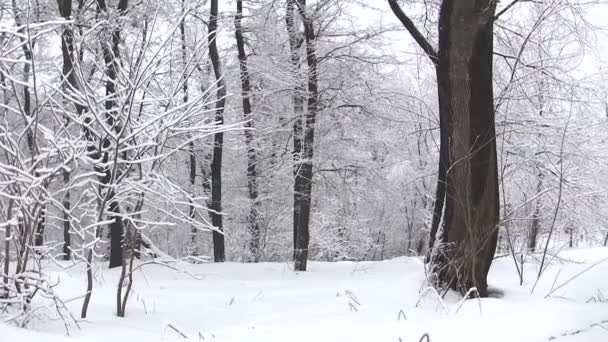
<point>472,200</point>
<point>295,42</point>
<point>219,253</point>
<point>305,165</point>
<point>252,180</point>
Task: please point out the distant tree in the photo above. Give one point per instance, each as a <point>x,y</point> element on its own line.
<point>252,173</point>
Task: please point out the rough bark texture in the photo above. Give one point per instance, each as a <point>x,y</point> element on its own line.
<point>295,42</point>
<point>219,253</point>
<point>472,201</point>
<point>305,164</point>
<point>252,174</point>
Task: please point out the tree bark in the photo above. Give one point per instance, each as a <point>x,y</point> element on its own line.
<point>67,52</point>
<point>472,199</point>
<point>219,253</point>
<point>111,56</point>
<point>252,174</point>
<point>295,42</point>
<point>467,184</point>
<point>26,108</point>
<point>191,153</point>
<point>7,249</point>
<point>305,164</point>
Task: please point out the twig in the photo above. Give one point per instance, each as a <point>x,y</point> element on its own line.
<point>576,276</point>
<point>428,338</point>
<point>172,327</point>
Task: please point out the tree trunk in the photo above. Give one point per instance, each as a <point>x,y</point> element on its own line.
<point>440,192</point>
<point>111,55</point>
<point>191,153</point>
<point>472,200</point>
<point>7,249</point>
<point>67,52</point>
<point>534,227</point>
<point>26,108</point>
<point>305,164</point>
<point>252,180</point>
<point>219,253</point>
<point>295,42</point>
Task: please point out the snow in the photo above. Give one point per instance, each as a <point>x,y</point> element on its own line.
<point>345,301</point>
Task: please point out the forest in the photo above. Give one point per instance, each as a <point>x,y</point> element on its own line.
<point>454,150</point>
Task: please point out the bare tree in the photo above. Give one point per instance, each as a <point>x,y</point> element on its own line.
<point>219,253</point>
<point>464,80</point>
<point>305,164</point>
<point>252,173</point>
<point>295,43</point>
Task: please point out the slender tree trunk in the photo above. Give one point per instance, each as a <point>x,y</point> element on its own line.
<point>534,227</point>
<point>295,42</point>
<point>67,249</point>
<point>472,199</point>
<point>191,153</point>
<point>252,175</point>
<point>111,56</point>
<point>26,107</point>
<point>305,165</point>
<point>67,52</point>
<point>440,193</point>
<point>7,248</point>
<point>219,253</point>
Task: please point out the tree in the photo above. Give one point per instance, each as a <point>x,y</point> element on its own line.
<point>252,173</point>
<point>25,104</point>
<point>219,253</point>
<point>111,57</point>
<point>295,42</point>
<point>305,164</point>
<point>70,81</point>
<point>464,79</point>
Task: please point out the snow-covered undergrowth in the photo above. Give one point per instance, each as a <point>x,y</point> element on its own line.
<point>346,301</point>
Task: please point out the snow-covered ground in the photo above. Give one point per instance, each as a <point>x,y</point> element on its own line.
<point>346,301</point>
